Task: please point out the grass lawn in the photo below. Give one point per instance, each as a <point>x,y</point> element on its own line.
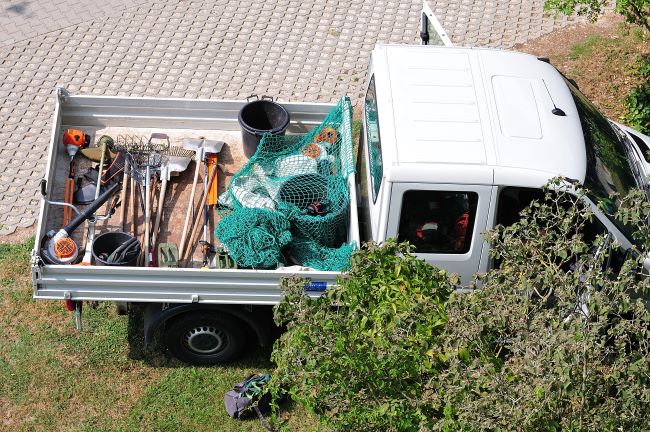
<point>53,378</point>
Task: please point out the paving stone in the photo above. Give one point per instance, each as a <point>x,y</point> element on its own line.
<point>205,48</point>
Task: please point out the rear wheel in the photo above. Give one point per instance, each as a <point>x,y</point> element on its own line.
<point>203,339</point>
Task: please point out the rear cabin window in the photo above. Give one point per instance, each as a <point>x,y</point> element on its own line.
<point>438,221</point>
<point>374,139</point>
<point>512,200</point>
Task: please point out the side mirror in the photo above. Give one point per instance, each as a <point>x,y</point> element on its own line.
<point>646,263</point>
<point>424,31</point>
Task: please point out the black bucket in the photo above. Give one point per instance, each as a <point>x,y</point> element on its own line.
<point>259,117</point>
<point>303,189</point>
<point>300,191</point>
<point>105,244</point>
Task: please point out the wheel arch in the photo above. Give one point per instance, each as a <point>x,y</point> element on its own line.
<point>255,318</point>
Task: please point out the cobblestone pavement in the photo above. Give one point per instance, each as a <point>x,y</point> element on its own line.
<point>205,49</point>
<point>25,19</point>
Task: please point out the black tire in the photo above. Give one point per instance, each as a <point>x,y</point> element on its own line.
<point>202,339</point>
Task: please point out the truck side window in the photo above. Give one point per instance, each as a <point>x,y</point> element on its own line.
<point>374,140</point>
<point>512,200</point>
<point>438,221</point>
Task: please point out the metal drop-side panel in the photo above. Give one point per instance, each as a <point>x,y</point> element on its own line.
<point>174,285</point>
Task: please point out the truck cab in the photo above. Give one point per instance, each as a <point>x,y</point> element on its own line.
<point>458,140</point>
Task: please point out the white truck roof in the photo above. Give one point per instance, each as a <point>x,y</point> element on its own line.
<point>483,116</point>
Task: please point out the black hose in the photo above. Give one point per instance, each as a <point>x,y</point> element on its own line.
<point>92,208</point>
<point>114,257</point>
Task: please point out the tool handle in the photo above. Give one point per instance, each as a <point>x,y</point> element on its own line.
<point>213,197</point>
<point>187,253</point>
<point>68,198</point>
<point>147,217</point>
<point>92,208</point>
<point>100,171</point>
<point>156,225</point>
<point>125,179</point>
<point>186,225</point>
<point>132,207</point>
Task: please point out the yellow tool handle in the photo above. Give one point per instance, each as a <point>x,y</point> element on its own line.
<point>214,187</point>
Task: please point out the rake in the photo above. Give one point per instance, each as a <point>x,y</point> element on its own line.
<point>145,157</point>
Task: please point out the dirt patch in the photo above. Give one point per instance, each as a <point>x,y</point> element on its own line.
<point>8,409</point>
<point>601,57</point>
<point>21,235</point>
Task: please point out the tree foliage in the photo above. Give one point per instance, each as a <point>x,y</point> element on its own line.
<point>634,11</point>
<point>556,338</point>
<point>638,101</point>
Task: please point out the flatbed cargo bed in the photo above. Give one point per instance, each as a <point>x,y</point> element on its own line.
<point>179,119</point>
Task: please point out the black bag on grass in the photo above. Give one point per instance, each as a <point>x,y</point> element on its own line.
<point>248,396</point>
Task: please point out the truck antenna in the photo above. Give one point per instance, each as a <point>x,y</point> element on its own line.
<point>557,111</point>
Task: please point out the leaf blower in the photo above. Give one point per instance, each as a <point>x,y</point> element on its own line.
<point>57,247</point>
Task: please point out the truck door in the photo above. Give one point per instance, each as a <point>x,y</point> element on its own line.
<point>444,222</point>
<point>431,32</point>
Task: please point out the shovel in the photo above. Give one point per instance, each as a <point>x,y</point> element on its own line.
<point>201,147</point>
<point>174,164</point>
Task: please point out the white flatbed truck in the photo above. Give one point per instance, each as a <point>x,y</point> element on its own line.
<point>454,142</point>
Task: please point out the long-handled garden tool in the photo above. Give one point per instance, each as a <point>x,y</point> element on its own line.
<point>68,195</point>
<point>104,142</point>
<point>132,207</point>
<point>144,157</point>
<point>212,191</point>
<point>125,184</point>
<point>201,147</point>
<point>176,163</point>
<point>187,255</point>
<point>73,140</point>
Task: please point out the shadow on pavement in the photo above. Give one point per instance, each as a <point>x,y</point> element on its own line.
<point>20,8</point>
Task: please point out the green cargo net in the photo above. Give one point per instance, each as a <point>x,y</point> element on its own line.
<point>290,203</point>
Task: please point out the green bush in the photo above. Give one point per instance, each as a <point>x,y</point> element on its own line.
<point>638,101</point>
<point>363,366</point>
